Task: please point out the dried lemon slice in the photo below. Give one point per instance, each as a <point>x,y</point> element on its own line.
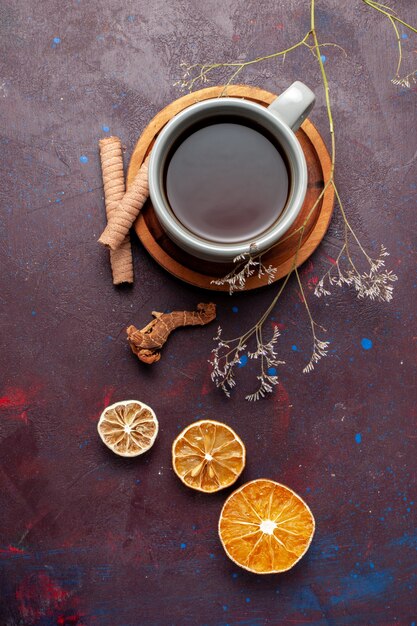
<point>265,527</point>
<point>128,428</point>
<point>208,456</point>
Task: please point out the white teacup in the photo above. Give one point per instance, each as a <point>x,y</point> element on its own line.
<point>281,119</point>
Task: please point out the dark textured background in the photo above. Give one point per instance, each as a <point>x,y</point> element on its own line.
<point>87,538</point>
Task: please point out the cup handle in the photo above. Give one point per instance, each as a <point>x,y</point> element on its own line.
<point>293,105</point>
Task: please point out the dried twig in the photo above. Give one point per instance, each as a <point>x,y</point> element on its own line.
<point>376,283</point>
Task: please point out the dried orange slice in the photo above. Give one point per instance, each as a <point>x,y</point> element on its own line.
<point>265,527</point>
<point>128,428</point>
<point>208,456</point>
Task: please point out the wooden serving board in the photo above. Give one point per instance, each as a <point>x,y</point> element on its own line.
<point>202,273</point>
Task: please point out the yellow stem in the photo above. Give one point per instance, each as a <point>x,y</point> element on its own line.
<point>400,49</point>
<point>306,304</point>
<point>342,210</point>
<point>377,7</point>
<point>239,69</point>
<point>326,86</point>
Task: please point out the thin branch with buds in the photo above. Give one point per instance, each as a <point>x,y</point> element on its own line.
<point>392,16</point>
<point>374,283</point>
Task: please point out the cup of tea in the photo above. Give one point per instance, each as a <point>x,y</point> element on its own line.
<point>228,176</point>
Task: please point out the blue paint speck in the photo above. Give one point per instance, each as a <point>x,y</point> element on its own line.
<point>308,489</point>
<point>212,556</point>
<point>58,200</point>
<point>404,36</point>
<point>57,40</point>
<point>235,309</point>
<point>294,348</point>
<point>323,58</point>
<point>109,338</point>
<point>366,343</point>
<point>235,575</point>
<point>371,565</point>
<point>130,18</point>
<point>33,313</point>
<point>183,546</point>
<point>358,438</point>
<point>137,481</point>
<point>105,128</point>
<point>243,360</point>
<point>247,600</point>
<point>83,159</point>
<point>225,607</point>
<point>272,371</point>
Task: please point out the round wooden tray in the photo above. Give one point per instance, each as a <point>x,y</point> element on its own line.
<point>202,273</point>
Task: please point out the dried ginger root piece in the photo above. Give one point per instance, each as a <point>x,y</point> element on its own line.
<point>147,342</point>
<point>127,210</point>
<point>111,157</point>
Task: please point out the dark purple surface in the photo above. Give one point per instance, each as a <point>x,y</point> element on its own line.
<point>87,538</point>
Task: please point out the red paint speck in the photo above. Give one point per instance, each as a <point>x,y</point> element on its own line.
<point>108,393</point>
<point>66,620</point>
<point>16,401</point>
<point>300,297</point>
<point>282,410</point>
<point>12,550</point>
<point>15,550</point>
<point>312,282</point>
<point>39,596</point>
<point>236,38</point>
<point>280,326</point>
<point>207,385</point>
